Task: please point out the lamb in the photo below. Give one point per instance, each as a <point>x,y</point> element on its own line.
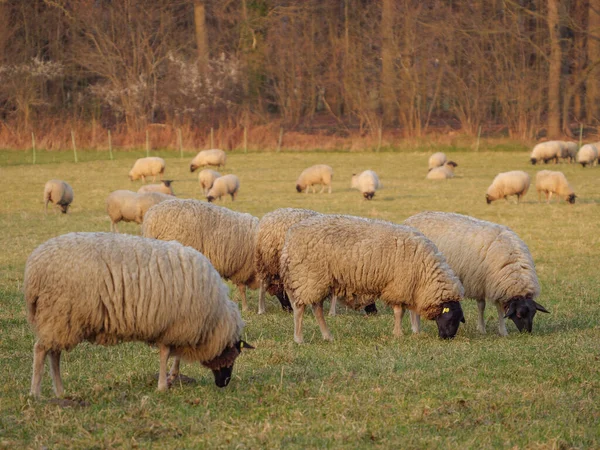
<point>366,182</point>
<point>106,288</point>
<point>436,160</point>
<point>206,178</point>
<point>164,188</point>
<point>129,206</point>
<point>225,237</point>
<point>588,154</point>
<point>443,172</point>
<point>319,174</point>
<point>550,182</point>
<point>492,262</point>
<point>147,167</point>
<point>546,151</point>
<point>214,157</point>
<point>60,193</point>
<point>568,150</point>
<point>360,259</point>
<point>225,185</point>
<point>515,182</point>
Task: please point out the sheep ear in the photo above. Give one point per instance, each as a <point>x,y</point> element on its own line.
<point>511,310</point>
<point>540,308</point>
<point>243,345</point>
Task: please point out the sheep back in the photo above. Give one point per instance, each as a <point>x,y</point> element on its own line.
<point>164,188</point>
<point>206,178</point>
<point>443,172</point>
<point>367,182</point>
<point>436,160</point>
<point>515,182</point>
<point>587,154</point>
<point>129,206</point>
<point>553,181</point>
<point>58,192</point>
<point>225,185</point>
<point>213,157</point>
<point>317,174</point>
<point>546,151</point>
<point>147,167</point>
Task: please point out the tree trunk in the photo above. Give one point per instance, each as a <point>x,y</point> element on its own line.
<point>388,97</point>
<point>554,71</point>
<point>201,33</point>
<point>592,88</point>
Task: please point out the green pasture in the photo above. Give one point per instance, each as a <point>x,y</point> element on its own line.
<point>366,389</point>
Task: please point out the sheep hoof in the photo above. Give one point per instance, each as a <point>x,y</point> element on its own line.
<point>298,340</point>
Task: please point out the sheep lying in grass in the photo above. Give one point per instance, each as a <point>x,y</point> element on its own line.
<point>367,182</point>
<point>515,182</point>
<point>225,185</point>
<point>550,182</point>
<point>546,151</point>
<point>492,262</point>
<point>106,288</point>
<point>437,160</point>
<point>60,193</point>
<point>164,188</point>
<point>443,172</point>
<point>588,154</point>
<point>206,178</point>
<point>129,206</point>
<point>361,259</point>
<point>319,174</point>
<point>147,167</point>
<point>213,157</point>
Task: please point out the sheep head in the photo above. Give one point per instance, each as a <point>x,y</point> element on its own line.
<point>222,365</point>
<point>449,320</point>
<point>571,198</point>
<point>521,311</point>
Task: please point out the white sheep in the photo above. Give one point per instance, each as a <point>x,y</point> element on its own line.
<point>492,262</point>
<point>106,288</point>
<point>550,182</point>
<point>319,174</point>
<point>129,206</point>
<point>225,237</point>
<point>515,182</point>
<point>588,154</point>
<point>164,188</point>
<point>225,185</point>
<point>147,167</point>
<point>367,182</point>
<point>60,193</point>
<point>546,151</point>
<point>436,160</point>
<point>213,157</point>
<point>568,150</point>
<point>206,178</point>
<point>443,172</point>
<point>360,259</point>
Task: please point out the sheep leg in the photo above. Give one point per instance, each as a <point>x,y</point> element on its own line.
<point>55,372</point>
<point>329,189</point>
<point>174,373</point>
<point>318,312</point>
<point>549,196</point>
<point>39,355</point>
<point>501,322</point>
<point>332,307</point>
<point>415,322</point>
<point>298,315</point>
<point>165,351</point>
<point>47,206</point>
<point>480,316</point>
<point>143,179</point>
<point>398,314</point>
<point>322,189</point>
<point>242,289</point>
<point>261,298</point>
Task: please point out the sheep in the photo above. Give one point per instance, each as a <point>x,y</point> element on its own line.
<point>164,188</point>
<point>360,259</point>
<point>214,157</point>
<point>366,182</point>
<point>588,154</point>
<point>568,150</point>
<point>106,288</point>
<point>319,174</point>
<point>129,206</point>
<point>546,151</point>
<point>515,182</point>
<point>492,262</point>
<point>206,178</point>
<point>225,237</point>
<point>443,172</point>
<point>550,182</point>
<point>60,193</point>
<point>147,167</point>
<point>436,160</point>
<point>225,185</point>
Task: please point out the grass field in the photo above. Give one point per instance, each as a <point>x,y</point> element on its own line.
<point>365,389</point>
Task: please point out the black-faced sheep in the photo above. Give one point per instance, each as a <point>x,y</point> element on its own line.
<point>147,167</point>
<point>60,193</point>
<point>319,174</point>
<point>515,182</point>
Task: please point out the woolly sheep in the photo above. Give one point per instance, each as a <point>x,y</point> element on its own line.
<point>515,182</point>
<point>366,182</point>
<point>492,262</point>
<point>443,172</point>
<point>319,174</point>
<point>436,160</point>
<point>206,178</point>
<point>225,237</point>
<point>225,185</point>
<point>106,289</point>
<point>147,167</point>
<point>164,188</point>
<point>568,150</point>
<point>546,151</point>
<point>550,182</point>
<point>360,259</point>
<point>60,193</point>
<point>588,154</point>
<point>129,206</point>
<point>214,157</point>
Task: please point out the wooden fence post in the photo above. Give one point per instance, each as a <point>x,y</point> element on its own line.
<point>212,138</point>
<point>280,139</point>
<point>147,143</point>
<point>245,139</point>
<point>33,145</point>
<point>180,143</point>
<point>74,146</point>
<point>110,146</point>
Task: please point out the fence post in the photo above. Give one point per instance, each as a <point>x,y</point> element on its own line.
<point>33,145</point>
<point>147,143</point>
<point>212,138</point>
<point>280,139</point>
<point>180,143</point>
<point>74,146</point>
<point>245,139</point>
<point>379,139</point>
<point>580,133</point>
<point>110,146</point>
<point>478,136</point>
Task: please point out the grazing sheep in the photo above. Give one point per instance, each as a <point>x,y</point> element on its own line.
<point>319,174</point>
<point>147,167</point>
<point>443,172</point>
<point>546,151</point>
<point>106,289</point>
<point>60,193</point>
<point>225,237</point>
<point>588,154</point>
<point>550,182</point>
<point>492,262</point>
<point>568,150</point>
<point>515,182</point>
<point>129,206</point>
<point>366,182</point>
<point>361,259</point>
<point>225,185</point>
<point>206,178</point>
<point>214,157</point>
<point>436,160</point>
<point>164,188</point>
